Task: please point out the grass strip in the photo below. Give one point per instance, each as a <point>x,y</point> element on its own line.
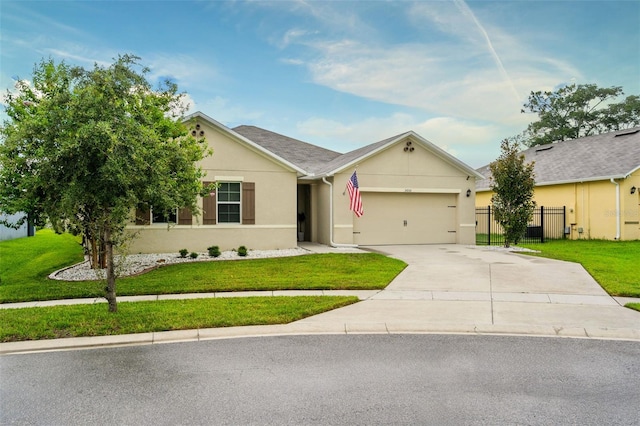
<point>613,264</point>
<point>141,317</point>
<point>635,306</point>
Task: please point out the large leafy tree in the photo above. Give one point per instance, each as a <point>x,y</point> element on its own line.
<point>575,111</point>
<point>84,148</point>
<point>512,182</point>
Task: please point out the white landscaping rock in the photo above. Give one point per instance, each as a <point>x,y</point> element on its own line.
<point>136,263</point>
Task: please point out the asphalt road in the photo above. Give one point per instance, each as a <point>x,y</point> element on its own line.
<point>355,379</point>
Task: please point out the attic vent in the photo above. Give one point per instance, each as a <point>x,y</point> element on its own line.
<point>545,148</point>
<point>631,132</point>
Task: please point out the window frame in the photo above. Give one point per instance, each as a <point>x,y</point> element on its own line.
<point>229,203</point>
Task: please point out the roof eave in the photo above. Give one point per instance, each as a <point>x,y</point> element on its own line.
<point>429,145</point>
<point>357,160</point>
<point>569,181</point>
<point>253,145</point>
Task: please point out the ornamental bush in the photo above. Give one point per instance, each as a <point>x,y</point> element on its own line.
<point>214,251</point>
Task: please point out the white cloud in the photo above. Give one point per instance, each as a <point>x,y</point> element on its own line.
<point>476,72</point>
<point>79,54</point>
<point>293,35</point>
<point>183,68</point>
<point>226,112</point>
<point>463,139</point>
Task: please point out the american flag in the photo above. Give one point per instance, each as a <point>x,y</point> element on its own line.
<point>355,201</point>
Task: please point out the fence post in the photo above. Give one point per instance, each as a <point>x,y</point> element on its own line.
<point>542,224</point>
<point>488,225</point>
<point>564,221</point>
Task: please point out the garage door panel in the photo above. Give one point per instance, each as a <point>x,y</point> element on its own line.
<point>406,218</point>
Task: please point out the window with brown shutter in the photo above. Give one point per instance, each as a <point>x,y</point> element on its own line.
<point>248,203</point>
<point>143,216</point>
<point>184,216</point>
<point>209,207</point>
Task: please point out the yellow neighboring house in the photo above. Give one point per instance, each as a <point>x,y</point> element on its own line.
<point>597,178</point>
<point>275,190</point>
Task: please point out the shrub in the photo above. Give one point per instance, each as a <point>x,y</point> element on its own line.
<point>193,255</point>
<point>183,253</point>
<point>214,251</point>
<point>242,251</point>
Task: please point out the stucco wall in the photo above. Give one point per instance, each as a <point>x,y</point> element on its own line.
<point>630,207</point>
<point>591,207</point>
<point>320,193</point>
<point>397,171</point>
<point>275,204</point>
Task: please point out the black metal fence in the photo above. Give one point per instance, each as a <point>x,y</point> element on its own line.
<point>548,223</point>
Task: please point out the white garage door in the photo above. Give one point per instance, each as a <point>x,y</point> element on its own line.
<point>406,218</point>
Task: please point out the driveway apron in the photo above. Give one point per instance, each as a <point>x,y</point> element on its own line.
<point>455,288</point>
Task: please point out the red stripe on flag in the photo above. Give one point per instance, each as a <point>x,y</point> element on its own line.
<point>355,200</point>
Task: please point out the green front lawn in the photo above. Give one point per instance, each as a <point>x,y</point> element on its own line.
<point>27,261</point>
<point>614,264</point>
<point>143,317</point>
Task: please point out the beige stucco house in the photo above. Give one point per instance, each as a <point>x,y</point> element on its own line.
<point>597,178</point>
<point>412,191</point>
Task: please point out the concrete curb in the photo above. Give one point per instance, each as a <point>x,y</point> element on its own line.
<point>297,329</point>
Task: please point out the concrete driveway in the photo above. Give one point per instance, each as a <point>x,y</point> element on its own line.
<point>455,288</point>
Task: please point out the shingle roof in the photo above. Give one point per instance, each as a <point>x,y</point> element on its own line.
<point>304,155</point>
<point>598,157</point>
<point>312,160</point>
<point>317,161</point>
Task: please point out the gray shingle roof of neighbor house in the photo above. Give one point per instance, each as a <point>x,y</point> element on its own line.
<point>598,157</point>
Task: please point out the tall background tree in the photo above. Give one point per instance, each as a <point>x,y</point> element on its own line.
<point>512,183</point>
<point>575,111</point>
<point>85,148</point>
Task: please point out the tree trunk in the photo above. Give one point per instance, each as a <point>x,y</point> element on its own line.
<point>111,277</point>
<point>102,254</point>
<point>93,253</point>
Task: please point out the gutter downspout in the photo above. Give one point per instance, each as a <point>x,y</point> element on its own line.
<point>331,217</point>
<point>617,208</point>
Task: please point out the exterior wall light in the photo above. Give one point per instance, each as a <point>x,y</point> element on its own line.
<point>468,193</point>
<point>633,190</point>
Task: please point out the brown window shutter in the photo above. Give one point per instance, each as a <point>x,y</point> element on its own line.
<point>184,216</point>
<point>248,203</point>
<point>209,208</point>
<point>143,216</point>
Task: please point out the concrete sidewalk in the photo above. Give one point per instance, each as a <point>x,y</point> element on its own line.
<point>445,289</point>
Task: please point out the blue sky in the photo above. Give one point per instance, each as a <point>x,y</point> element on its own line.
<point>344,74</point>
